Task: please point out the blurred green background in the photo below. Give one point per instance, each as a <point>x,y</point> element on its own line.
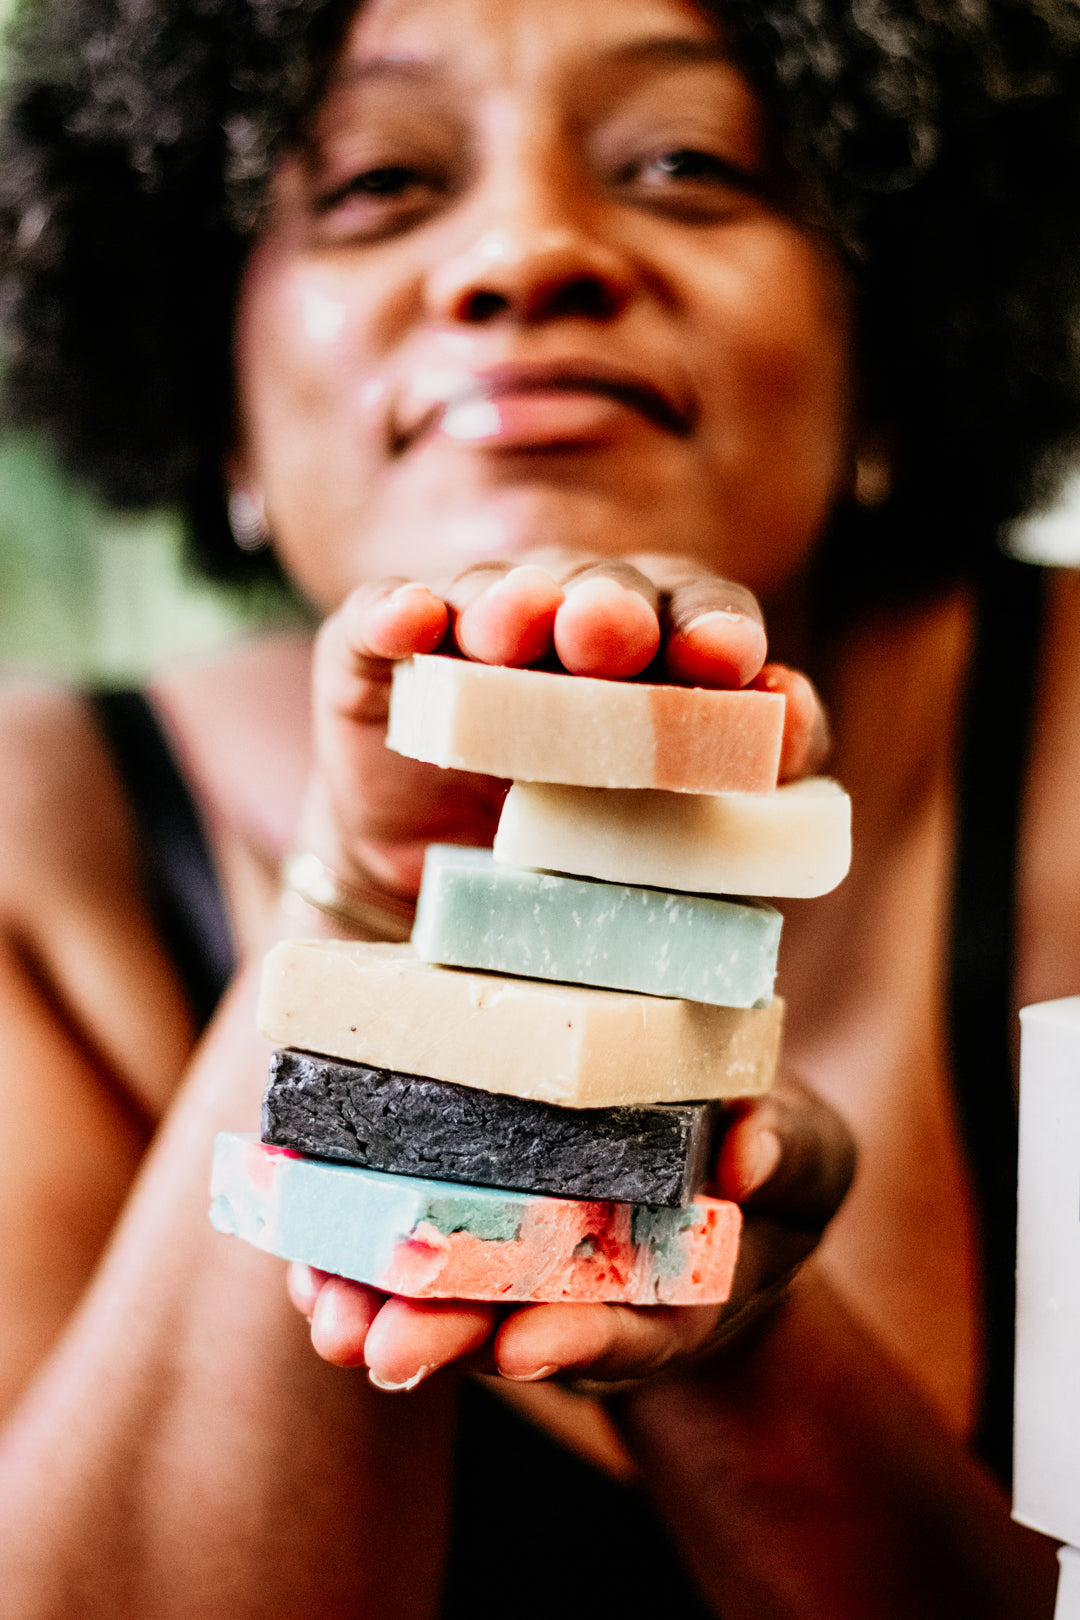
<point>88,595</point>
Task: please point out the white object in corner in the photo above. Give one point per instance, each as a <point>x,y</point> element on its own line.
<point>1046,1485</point>
<point>1068,1592</point>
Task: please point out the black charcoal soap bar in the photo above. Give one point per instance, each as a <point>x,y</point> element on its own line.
<point>410,1125</point>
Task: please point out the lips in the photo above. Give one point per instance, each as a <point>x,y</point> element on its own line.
<point>540,406</point>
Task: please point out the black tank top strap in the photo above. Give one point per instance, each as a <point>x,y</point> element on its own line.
<point>995,740</point>
<point>182,883</point>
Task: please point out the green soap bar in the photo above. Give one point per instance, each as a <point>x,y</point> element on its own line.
<point>473,913</point>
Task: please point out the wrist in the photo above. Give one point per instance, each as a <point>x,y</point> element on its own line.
<point>314,893</point>
<point>329,887</point>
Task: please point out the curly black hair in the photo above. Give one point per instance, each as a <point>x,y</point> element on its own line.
<point>938,139</point>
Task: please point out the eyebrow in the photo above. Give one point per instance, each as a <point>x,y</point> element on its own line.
<point>380,67</point>
<point>675,49</point>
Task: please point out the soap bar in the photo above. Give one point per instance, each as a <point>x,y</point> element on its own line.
<point>1046,1486</point>
<point>532,726</point>
<point>411,1125</point>
<point>438,1240</point>
<point>474,913</point>
<point>795,842</point>
<point>378,1004</point>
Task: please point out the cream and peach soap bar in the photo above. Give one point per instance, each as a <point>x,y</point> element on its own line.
<point>475,913</point>
<point>442,1240</point>
<point>793,843</point>
<point>532,726</point>
<point>559,1043</point>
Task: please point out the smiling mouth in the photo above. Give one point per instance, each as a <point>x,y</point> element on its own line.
<point>463,416</point>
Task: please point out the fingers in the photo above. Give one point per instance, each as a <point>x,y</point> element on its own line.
<point>788,1156</point>
<point>716,636</point>
<point>806,729</point>
<point>608,1341</point>
<point>403,1341</point>
<point>505,615</point>
<point>400,1341</point>
<point>356,646</point>
<point>609,620</point>
<point>411,1338</point>
<point>303,1284</point>
<point>341,1318</point>
<point>598,619</point>
<point>608,625</point>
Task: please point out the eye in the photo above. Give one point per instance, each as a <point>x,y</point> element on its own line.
<point>694,185</point>
<point>685,164</point>
<point>381,200</point>
<point>389,181</point>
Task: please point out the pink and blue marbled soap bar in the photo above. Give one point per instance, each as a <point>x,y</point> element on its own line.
<point>442,1240</point>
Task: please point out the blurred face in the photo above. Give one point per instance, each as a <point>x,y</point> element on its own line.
<point>532,281</point>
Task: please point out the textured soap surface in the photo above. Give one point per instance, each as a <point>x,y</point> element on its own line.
<point>532,726</point>
<point>795,842</point>
<point>583,1048</point>
<point>410,1125</point>
<point>475,913</point>
<point>438,1240</point>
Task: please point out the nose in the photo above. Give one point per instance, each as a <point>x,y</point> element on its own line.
<point>534,252</point>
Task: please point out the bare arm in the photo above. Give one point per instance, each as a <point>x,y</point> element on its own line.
<point>183,1452</point>
<point>804,1480</point>
<point>170,1445</point>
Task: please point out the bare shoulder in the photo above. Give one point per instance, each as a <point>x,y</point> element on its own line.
<point>93,1025</point>
<point>62,817</point>
<point>72,898</point>
<point>241,721</point>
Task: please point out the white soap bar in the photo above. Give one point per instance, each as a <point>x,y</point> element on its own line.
<point>1046,1485</point>
<point>793,843</point>
<point>532,726</point>
<point>1068,1592</point>
<point>558,1043</point>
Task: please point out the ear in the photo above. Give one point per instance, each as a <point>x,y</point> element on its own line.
<point>246,507</point>
<point>872,478</point>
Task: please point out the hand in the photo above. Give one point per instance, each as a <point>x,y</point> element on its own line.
<point>787,1158</point>
<point>370,814</point>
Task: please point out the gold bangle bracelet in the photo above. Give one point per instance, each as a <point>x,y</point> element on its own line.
<point>379,915</point>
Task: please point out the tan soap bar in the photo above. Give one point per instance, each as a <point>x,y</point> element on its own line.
<point>795,842</point>
<point>532,726</point>
<point>584,1048</point>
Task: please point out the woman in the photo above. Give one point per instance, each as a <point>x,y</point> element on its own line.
<point>558,316</point>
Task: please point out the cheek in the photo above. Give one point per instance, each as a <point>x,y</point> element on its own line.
<point>783,373</point>
<point>308,365</point>
<point>290,337</point>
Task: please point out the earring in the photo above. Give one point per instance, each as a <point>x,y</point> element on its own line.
<point>873,474</point>
<point>247,520</point>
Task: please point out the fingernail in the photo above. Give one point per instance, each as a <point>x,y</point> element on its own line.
<point>524,571</point>
<point>532,1377</point>
<point>715,616</point>
<point>766,1157</point>
<point>410,588</point>
<point>599,586</point>
<point>396,1389</point>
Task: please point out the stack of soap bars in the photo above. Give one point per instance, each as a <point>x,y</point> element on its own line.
<point>523,1103</point>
